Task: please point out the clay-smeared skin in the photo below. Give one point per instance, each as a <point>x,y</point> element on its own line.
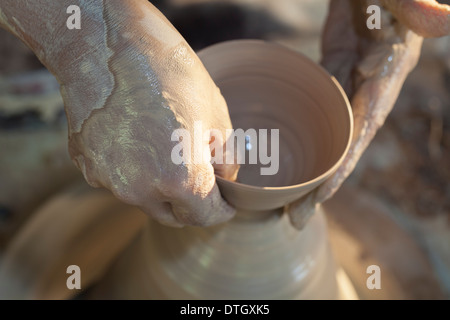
<point>128,80</point>
<point>427,17</point>
<point>372,67</point>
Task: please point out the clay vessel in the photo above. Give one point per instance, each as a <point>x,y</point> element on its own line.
<point>257,255</point>
<point>267,86</point>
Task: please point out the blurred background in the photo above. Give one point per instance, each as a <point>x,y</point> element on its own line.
<point>403,178</point>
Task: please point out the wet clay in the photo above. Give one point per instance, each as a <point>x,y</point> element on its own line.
<point>129,80</point>
<point>267,86</point>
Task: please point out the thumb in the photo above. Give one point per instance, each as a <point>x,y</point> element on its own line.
<point>224,158</point>
<point>223,150</point>
<point>301,210</point>
<point>427,18</point>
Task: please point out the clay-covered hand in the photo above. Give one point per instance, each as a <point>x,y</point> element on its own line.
<point>158,85</point>
<point>372,66</point>
<point>129,80</point>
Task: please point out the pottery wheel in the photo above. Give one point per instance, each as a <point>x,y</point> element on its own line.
<point>363,234</point>
<point>360,229</point>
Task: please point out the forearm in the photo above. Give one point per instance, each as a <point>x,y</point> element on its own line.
<point>41,25</point>
<point>87,61</point>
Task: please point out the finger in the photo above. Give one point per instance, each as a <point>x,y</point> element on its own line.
<point>203,210</point>
<point>195,200</point>
<point>427,18</point>
<point>339,43</point>
<point>199,202</point>
<point>302,210</point>
<point>225,165</point>
<point>161,212</point>
<point>372,103</point>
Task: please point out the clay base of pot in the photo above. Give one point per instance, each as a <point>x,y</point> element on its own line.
<point>255,256</point>
<point>361,233</point>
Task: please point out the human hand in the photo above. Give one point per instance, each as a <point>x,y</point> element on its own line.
<point>371,66</point>
<point>157,85</point>
<point>129,80</point>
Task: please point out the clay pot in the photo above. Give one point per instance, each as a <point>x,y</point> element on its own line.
<point>267,86</point>
<point>257,255</point>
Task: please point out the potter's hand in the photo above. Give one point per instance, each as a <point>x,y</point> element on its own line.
<point>372,66</point>
<point>129,80</point>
